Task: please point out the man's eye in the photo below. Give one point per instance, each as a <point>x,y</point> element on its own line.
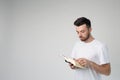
<point>77,32</point>
<point>82,31</point>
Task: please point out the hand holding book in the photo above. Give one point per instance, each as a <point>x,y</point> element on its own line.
<point>73,62</point>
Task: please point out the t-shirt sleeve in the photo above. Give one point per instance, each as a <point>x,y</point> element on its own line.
<point>103,55</point>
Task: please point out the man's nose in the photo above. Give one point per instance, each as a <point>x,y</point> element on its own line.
<point>80,34</point>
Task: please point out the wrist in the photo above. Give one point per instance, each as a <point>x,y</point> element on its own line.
<point>91,64</point>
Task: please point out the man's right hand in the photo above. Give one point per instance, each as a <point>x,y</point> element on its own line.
<point>72,66</point>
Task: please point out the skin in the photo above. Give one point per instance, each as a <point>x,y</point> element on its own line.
<point>84,34</point>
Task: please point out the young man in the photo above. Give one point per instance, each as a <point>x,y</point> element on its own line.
<point>90,53</point>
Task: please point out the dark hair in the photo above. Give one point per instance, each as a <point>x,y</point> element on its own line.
<point>82,20</point>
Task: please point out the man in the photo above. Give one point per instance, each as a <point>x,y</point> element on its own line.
<point>90,53</point>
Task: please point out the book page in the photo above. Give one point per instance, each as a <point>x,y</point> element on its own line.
<point>72,61</point>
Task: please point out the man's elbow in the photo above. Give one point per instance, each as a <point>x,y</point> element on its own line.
<point>108,72</point>
<point>108,69</point>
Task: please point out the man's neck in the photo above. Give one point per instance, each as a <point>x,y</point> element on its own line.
<point>90,39</point>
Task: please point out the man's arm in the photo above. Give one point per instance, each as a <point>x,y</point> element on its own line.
<point>103,69</point>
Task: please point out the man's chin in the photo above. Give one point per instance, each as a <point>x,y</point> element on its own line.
<point>82,39</point>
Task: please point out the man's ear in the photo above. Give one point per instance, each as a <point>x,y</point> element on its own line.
<point>90,29</point>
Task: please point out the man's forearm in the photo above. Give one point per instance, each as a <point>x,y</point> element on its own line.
<point>103,69</point>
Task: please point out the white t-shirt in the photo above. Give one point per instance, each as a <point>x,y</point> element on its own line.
<point>94,51</point>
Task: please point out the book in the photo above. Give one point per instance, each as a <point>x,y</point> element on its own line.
<point>72,61</point>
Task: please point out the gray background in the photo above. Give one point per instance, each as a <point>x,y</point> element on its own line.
<point>34,33</point>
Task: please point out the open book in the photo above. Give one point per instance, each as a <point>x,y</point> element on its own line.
<point>72,61</point>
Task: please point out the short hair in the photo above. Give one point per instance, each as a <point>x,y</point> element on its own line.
<point>82,20</point>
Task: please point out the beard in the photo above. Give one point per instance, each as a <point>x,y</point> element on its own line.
<point>84,38</point>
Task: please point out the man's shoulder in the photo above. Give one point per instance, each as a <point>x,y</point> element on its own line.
<point>100,43</point>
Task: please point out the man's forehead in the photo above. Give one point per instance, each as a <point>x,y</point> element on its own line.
<point>81,27</point>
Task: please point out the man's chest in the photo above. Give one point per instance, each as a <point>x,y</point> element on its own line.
<point>88,52</point>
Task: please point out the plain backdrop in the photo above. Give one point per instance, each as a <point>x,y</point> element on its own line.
<point>34,34</point>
